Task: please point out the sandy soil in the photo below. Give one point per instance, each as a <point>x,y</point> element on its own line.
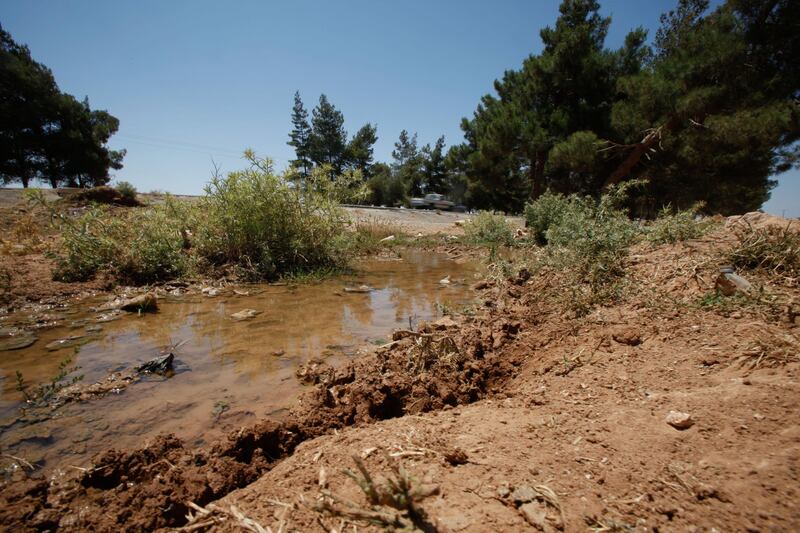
<point>521,416</point>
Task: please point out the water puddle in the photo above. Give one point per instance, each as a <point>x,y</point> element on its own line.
<point>229,371</point>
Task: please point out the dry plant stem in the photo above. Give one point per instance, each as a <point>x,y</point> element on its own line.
<point>20,460</point>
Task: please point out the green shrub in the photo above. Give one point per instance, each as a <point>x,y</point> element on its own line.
<point>488,228</point>
<point>587,241</point>
<point>544,212</point>
<point>143,246</point>
<point>671,226</point>
<point>256,220</point>
<point>127,193</point>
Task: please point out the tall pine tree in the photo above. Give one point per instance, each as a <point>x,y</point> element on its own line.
<point>328,136</point>
<point>300,137</point>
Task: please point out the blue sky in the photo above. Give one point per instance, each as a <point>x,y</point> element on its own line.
<point>196,80</point>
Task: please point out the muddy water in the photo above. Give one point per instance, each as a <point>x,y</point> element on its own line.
<point>228,372</point>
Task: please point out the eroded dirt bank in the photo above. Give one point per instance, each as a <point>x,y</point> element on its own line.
<point>524,416</point>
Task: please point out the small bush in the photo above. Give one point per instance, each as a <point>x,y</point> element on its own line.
<point>772,249</point>
<point>671,226</point>
<point>254,219</point>
<point>586,242</point>
<point>143,246</point>
<point>545,212</point>
<point>127,193</point>
<point>488,228</point>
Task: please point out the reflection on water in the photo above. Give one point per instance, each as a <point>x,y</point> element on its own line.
<point>229,372</point>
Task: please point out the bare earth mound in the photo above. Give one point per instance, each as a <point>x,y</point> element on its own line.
<point>670,409</point>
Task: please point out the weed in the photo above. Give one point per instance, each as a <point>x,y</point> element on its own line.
<point>368,235</point>
<point>393,503</point>
<point>675,226</point>
<point>5,284</point>
<point>127,193</point>
<point>489,229</point>
<point>429,352</point>
<point>256,220</point>
<point>41,395</point>
<point>141,246</point>
<point>775,250</point>
<point>545,212</point>
<point>220,406</point>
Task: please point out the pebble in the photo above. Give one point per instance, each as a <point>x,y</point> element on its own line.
<point>679,420</point>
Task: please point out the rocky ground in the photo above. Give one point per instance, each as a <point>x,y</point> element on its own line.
<point>669,409</point>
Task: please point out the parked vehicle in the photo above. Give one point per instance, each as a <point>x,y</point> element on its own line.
<point>432,201</point>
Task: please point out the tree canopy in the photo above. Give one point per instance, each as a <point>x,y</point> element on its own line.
<point>45,134</point>
<point>707,114</point>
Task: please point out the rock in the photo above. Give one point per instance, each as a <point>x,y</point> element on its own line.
<point>536,515</point>
<point>144,303</point>
<point>460,222</point>
<point>523,494</point>
<point>358,290</point>
<point>445,281</point>
<point>107,317</point>
<point>456,456</point>
<point>445,323</point>
<point>73,340</point>
<point>628,336</point>
<point>679,420</point>
<point>419,235</point>
<point>730,283</point>
<point>158,365</point>
<point>17,340</point>
<point>94,328</point>
<point>211,291</point>
<point>390,238</point>
<point>244,314</point>
<point>237,292</point>
<point>481,285</point>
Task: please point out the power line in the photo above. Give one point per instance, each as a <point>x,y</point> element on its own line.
<point>186,146</point>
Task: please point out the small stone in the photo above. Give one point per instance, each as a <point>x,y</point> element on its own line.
<point>359,289</point>
<point>523,494</point>
<point>244,314</point>
<point>445,281</point>
<point>456,456</point>
<point>481,285</point>
<point>679,420</point>
<point>729,283</point>
<point>628,336</point>
<point>445,323</point>
<point>68,342</point>
<point>536,515</point>
<point>17,341</point>
<point>144,303</point>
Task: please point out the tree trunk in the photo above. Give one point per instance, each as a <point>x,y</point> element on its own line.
<point>624,169</point>
<point>537,176</point>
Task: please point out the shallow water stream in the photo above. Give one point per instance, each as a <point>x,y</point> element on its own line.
<point>228,372</point>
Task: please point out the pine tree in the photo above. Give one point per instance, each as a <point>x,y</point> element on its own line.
<point>47,135</point>
<point>328,137</point>
<point>718,106</point>
<point>300,137</point>
<point>433,167</point>
<point>359,152</point>
<point>407,163</point>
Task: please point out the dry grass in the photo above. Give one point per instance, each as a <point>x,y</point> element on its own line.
<point>393,503</point>
<point>773,250</point>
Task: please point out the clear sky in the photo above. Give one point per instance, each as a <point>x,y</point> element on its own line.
<point>196,80</point>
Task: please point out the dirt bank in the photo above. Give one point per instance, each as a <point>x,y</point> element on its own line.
<point>522,415</point>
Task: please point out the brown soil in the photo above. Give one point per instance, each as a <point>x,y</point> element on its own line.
<point>526,416</point>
